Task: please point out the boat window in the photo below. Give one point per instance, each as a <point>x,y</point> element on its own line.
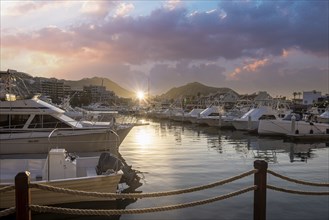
<point>4,121</point>
<point>214,114</point>
<point>47,121</point>
<point>36,122</point>
<point>267,117</point>
<point>289,116</point>
<point>13,121</point>
<point>51,122</point>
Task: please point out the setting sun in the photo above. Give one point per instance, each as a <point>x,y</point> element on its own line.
<point>140,95</point>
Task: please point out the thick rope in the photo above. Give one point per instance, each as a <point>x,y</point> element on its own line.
<point>297,192</point>
<point>139,195</point>
<point>297,181</point>
<point>108,212</point>
<point>7,189</point>
<point>8,211</point>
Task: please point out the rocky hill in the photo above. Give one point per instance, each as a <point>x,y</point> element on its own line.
<point>109,84</point>
<point>193,89</point>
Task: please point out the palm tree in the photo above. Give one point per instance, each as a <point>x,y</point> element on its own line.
<point>294,94</point>
<point>299,94</point>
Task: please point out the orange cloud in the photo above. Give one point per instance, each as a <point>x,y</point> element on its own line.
<point>251,67</point>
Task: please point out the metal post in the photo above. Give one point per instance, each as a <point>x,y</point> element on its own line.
<point>22,195</point>
<point>249,122</point>
<point>260,192</point>
<point>293,124</point>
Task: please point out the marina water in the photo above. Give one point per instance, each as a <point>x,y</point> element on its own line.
<point>176,156</point>
<point>172,155</point>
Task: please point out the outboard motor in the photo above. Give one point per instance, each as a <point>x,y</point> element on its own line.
<point>108,164</point>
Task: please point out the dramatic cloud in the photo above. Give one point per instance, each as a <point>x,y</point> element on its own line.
<point>250,67</point>
<point>232,42</point>
<point>124,9</point>
<point>97,9</point>
<point>20,8</point>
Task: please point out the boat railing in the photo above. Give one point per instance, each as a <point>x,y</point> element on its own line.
<point>52,134</point>
<point>117,137</point>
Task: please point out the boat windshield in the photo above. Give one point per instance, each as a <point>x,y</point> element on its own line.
<point>289,116</point>
<point>70,121</point>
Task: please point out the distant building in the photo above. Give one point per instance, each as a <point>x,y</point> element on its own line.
<point>311,97</point>
<point>55,89</point>
<point>99,94</point>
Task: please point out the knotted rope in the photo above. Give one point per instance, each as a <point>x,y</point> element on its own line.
<point>8,211</point>
<point>297,192</point>
<point>109,212</point>
<point>6,189</point>
<point>139,195</point>
<point>297,181</point>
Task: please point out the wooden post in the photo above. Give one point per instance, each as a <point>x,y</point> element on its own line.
<point>22,195</point>
<point>260,192</point>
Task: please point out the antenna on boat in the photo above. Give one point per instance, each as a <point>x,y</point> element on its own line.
<point>13,84</point>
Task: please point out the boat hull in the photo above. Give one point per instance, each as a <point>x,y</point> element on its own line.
<point>106,184</point>
<point>244,125</point>
<point>216,122</point>
<point>282,127</point>
<point>74,140</point>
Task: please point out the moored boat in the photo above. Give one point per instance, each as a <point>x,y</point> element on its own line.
<point>34,126</point>
<point>289,125</point>
<point>59,169</point>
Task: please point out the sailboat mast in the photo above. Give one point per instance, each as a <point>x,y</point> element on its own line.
<point>148,87</point>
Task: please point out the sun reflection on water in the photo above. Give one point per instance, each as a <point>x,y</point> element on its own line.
<point>144,138</point>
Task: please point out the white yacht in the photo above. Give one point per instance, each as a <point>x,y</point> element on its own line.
<point>211,116</point>
<point>34,126</point>
<point>324,117</point>
<point>289,125</point>
<point>193,115</point>
<point>250,120</point>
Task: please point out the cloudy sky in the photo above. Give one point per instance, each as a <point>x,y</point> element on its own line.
<point>249,46</point>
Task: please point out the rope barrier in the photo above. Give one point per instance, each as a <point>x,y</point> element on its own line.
<point>103,212</point>
<point>8,211</point>
<point>7,189</point>
<point>297,181</point>
<point>297,192</point>
<point>139,195</point>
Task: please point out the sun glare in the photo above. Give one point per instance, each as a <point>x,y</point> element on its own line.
<point>143,138</point>
<point>140,95</point>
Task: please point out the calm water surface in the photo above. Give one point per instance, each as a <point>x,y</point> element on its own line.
<point>173,156</point>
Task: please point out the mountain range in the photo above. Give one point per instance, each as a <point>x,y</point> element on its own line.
<point>190,89</point>
<point>193,89</point>
<point>109,84</point>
